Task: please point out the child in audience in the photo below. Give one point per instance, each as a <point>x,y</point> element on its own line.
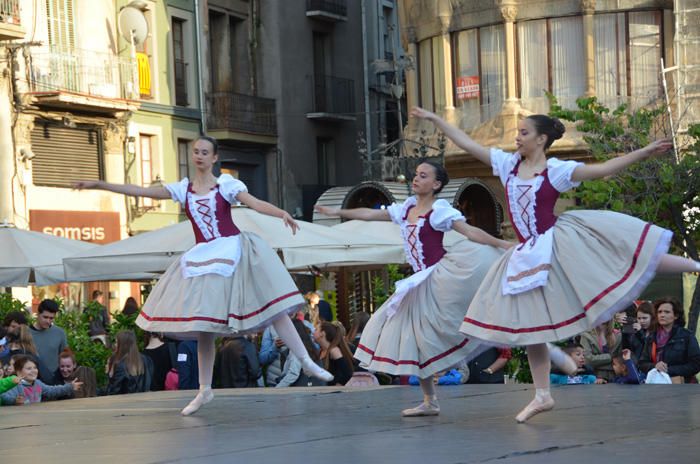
<point>625,369</point>
<point>32,390</point>
<point>584,373</point>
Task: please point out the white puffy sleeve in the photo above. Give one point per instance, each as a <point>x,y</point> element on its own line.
<point>503,163</point>
<point>559,173</point>
<point>396,212</point>
<point>230,187</point>
<point>444,215</point>
<point>178,190</point>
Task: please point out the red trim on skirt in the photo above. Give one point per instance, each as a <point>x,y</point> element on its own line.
<point>214,320</point>
<point>588,306</point>
<point>411,362</point>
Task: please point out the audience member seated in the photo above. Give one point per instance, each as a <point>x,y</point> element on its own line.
<point>131,307</point>
<point>599,347</point>
<point>32,390</point>
<point>8,379</point>
<point>584,373</point>
<point>187,365</point>
<point>272,350</point>
<point>292,372</point>
<point>335,354</point>
<point>626,371</point>
<point>643,326</point>
<point>671,348</point>
<point>10,324</point>
<point>488,366</point>
<point>68,370</point>
<point>129,371</point>
<point>163,355</point>
<point>236,364</point>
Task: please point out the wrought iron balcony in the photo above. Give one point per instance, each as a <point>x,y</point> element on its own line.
<point>242,113</point>
<point>83,73</point>
<point>10,22</point>
<point>327,10</point>
<point>334,98</point>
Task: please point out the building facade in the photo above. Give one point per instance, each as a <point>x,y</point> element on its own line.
<point>484,65</point>
<point>83,102</point>
<point>283,84</point>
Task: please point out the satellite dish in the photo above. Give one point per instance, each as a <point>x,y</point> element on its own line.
<point>133,25</point>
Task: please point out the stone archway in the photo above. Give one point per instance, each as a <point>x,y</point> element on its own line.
<point>479,205</point>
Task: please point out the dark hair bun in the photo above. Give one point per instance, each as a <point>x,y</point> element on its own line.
<point>558,129</point>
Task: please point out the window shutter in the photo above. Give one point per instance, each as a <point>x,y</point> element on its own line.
<point>64,155</point>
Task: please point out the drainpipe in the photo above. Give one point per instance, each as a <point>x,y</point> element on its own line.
<point>365,76</point>
<point>200,67</point>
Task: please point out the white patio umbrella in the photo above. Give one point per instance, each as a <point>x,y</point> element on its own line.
<point>34,258</point>
<point>154,251</point>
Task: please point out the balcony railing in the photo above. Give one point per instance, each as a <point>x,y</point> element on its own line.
<point>82,72</point>
<point>9,12</point>
<point>330,10</point>
<point>242,113</point>
<point>334,95</point>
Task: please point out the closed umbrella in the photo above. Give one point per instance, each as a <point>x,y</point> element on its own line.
<point>34,258</point>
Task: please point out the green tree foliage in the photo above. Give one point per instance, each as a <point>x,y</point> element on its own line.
<point>8,304</point>
<point>661,190</point>
<point>381,290</point>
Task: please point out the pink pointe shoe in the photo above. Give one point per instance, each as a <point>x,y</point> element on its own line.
<point>426,408</point>
<point>535,407</point>
<point>202,398</point>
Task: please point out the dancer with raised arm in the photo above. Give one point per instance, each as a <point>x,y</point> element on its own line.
<point>230,282</point>
<point>416,331</point>
<point>569,273</point>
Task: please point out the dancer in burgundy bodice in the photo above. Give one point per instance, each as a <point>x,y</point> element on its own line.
<point>230,282</point>
<point>416,331</point>
<point>569,273</point>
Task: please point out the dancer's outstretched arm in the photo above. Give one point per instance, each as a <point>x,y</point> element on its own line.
<point>479,236</point>
<point>615,165</point>
<point>264,207</point>
<point>364,214</point>
<point>159,193</point>
<point>455,134</point>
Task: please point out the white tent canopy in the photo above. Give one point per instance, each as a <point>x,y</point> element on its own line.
<point>34,258</point>
<point>154,251</point>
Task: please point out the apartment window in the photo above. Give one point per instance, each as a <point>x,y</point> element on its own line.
<point>59,14</point>
<point>65,155</point>
<point>628,57</point>
<point>550,53</point>
<point>325,161</point>
<point>480,73</point>
<point>183,156</point>
<point>179,62</point>
<point>146,164</point>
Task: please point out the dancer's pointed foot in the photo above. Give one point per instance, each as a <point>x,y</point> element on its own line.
<point>426,408</point>
<point>202,398</point>
<point>314,370</point>
<point>562,360</point>
<point>536,406</point>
